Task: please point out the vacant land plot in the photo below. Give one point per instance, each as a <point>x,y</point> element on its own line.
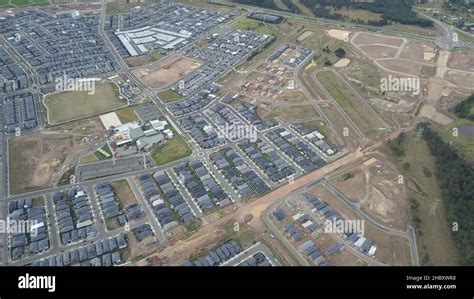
<point>69,105</point>
<point>339,34</point>
<point>124,192</point>
<point>427,211</point>
<point>349,103</point>
<point>292,113</point>
<point>257,26</point>
<point>358,14</point>
<point>401,66</point>
<point>167,72</point>
<point>435,31</point>
<point>169,96</point>
<point>377,52</point>
<point>461,79</point>
<point>462,59</point>
<point>172,150</point>
<point>339,124</point>
<point>39,160</point>
<point>364,38</point>
<point>88,159</point>
<point>415,50</point>
<point>292,97</point>
<point>144,59</point>
<point>304,36</point>
<point>373,186</point>
<point>126,115</point>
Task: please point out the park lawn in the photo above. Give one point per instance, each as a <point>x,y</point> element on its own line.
<point>174,149</point>
<point>69,105</point>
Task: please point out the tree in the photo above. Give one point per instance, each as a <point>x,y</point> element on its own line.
<point>340,52</point>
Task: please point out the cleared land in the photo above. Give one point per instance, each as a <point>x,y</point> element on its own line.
<point>377,52</point>
<point>172,150</point>
<point>124,192</point>
<point>70,105</point>
<point>349,103</point>
<point>292,113</point>
<point>415,50</point>
<point>462,59</point>
<point>38,160</point>
<point>364,38</point>
<point>406,67</point>
<point>167,72</point>
<point>373,185</point>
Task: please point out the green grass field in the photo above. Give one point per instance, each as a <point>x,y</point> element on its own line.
<point>70,105</point>
<point>126,115</point>
<point>172,150</point>
<point>144,59</point>
<point>100,156</point>
<point>349,103</point>
<point>254,25</point>
<point>168,96</point>
<point>20,2</point>
<point>464,144</point>
<point>418,168</point>
<point>354,14</point>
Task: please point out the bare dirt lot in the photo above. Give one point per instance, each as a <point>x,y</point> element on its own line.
<point>373,185</point>
<point>462,79</point>
<point>339,34</point>
<point>415,50</point>
<point>406,67</point>
<point>168,71</point>
<point>462,59</point>
<point>377,52</point>
<point>364,38</point>
<point>39,160</point>
<point>391,250</point>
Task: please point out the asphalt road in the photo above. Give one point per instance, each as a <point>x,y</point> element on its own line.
<point>251,251</point>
